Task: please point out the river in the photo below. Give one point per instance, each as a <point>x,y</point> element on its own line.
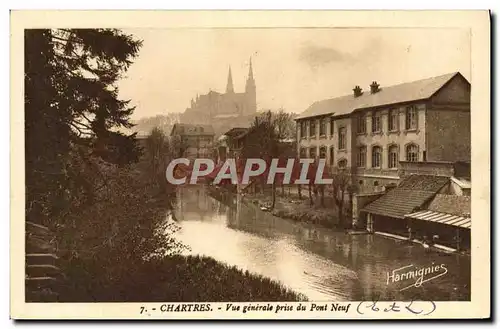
<point>321,263</point>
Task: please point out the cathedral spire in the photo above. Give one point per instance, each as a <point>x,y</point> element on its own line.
<point>229,88</point>
<point>250,85</point>
<point>250,91</point>
<point>250,70</point>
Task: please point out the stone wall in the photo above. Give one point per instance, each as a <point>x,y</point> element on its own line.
<point>448,134</point>
<point>426,168</point>
<point>359,201</point>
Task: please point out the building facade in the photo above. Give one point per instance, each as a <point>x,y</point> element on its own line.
<point>193,141</point>
<point>370,133</point>
<point>222,110</point>
<point>231,143</point>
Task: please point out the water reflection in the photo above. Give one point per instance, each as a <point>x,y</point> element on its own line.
<point>320,263</point>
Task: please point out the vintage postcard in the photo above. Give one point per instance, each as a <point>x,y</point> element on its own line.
<point>250,165</point>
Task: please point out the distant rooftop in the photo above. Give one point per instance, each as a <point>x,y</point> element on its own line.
<point>236,133</point>
<point>405,92</point>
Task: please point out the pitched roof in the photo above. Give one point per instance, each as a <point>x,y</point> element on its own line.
<point>408,196</point>
<point>405,92</point>
<point>191,129</point>
<point>458,205</point>
<point>424,182</point>
<point>236,132</point>
<point>398,202</point>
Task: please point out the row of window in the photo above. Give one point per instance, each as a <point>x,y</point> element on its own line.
<point>393,123</point>
<point>342,142</point>
<point>393,120</point>
<point>411,154</point>
<point>312,127</point>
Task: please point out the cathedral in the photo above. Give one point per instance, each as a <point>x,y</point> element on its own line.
<point>224,110</point>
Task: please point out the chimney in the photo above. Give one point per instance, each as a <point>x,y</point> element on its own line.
<point>374,87</point>
<point>357,91</point>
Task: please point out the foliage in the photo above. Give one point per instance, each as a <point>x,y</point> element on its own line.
<point>157,150</point>
<point>268,138</point>
<point>122,227</point>
<point>284,124</point>
<point>342,184</point>
<point>71,99</point>
<point>187,279</point>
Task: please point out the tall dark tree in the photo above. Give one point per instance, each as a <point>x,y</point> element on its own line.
<point>268,138</point>
<point>71,100</point>
<point>47,133</point>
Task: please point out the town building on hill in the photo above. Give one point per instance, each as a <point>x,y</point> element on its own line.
<point>231,143</point>
<point>193,141</point>
<point>224,110</point>
<point>371,132</point>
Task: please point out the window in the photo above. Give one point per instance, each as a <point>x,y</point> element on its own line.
<point>312,152</point>
<point>361,182</point>
<point>412,153</point>
<point>376,157</point>
<point>312,129</point>
<point>361,124</point>
<point>362,156</point>
<point>342,164</point>
<point>375,183</point>
<point>303,129</point>
<point>331,127</point>
<point>322,127</point>
<point>303,152</point>
<point>411,118</point>
<point>322,152</point>
<point>376,122</point>
<point>393,120</point>
<point>332,155</point>
<point>393,156</point>
<point>342,138</point>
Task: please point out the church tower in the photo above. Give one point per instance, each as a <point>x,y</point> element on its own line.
<point>250,91</point>
<point>229,88</point>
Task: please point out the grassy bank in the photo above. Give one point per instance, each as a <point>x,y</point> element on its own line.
<point>296,209</point>
<point>176,279</point>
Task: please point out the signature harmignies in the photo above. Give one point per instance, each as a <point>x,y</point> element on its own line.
<point>418,276</point>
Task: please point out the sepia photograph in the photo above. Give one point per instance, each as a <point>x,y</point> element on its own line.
<point>249,169</point>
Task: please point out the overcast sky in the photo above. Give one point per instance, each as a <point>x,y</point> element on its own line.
<point>292,67</point>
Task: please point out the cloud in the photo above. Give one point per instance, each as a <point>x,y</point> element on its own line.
<point>317,56</point>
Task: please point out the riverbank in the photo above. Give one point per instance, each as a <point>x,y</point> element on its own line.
<point>287,206</point>
<point>298,210</point>
<point>179,278</point>
<point>290,205</point>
